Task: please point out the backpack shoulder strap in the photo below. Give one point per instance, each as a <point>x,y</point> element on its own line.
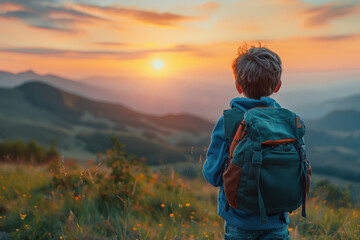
<point>232,120</point>
<point>299,129</point>
<point>232,127</point>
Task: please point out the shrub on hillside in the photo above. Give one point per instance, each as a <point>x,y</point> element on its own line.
<point>20,152</point>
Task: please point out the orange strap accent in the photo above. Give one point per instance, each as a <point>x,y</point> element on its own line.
<point>298,122</point>
<point>276,142</point>
<point>239,135</point>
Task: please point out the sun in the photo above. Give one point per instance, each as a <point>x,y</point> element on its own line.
<point>158,64</point>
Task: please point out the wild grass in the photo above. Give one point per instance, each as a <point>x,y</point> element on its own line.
<point>121,198</point>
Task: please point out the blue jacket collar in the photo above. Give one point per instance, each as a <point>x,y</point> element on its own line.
<point>245,104</point>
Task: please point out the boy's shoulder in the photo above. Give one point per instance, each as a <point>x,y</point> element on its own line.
<point>232,119</point>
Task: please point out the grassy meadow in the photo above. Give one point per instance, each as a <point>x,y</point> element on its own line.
<point>119,197</point>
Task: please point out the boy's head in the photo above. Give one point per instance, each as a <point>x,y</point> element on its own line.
<point>257,71</point>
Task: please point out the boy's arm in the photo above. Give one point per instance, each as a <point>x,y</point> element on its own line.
<point>216,155</point>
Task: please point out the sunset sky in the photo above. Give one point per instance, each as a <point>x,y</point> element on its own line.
<point>196,40</point>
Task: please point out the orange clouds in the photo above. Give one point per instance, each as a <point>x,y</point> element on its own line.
<point>151,17</point>
<point>319,53</point>
<point>321,15</point>
<point>194,38</point>
<point>210,6</point>
<point>43,16</point>
<point>191,61</point>
<point>10,7</point>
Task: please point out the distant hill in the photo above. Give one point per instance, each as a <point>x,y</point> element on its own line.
<point>339,120</point>
<point>333,144</point>
<point>10,80</point>
<point>315,110</point>
<point>350,102</point>
<point>201,98</point>
<point>82,127</point>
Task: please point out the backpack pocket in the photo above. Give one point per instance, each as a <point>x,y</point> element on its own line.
<point>231,179</point>
<point>308,177</point>
<point>281,178</point>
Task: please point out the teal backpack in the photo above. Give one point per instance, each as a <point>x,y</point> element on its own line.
<point>267,171</point>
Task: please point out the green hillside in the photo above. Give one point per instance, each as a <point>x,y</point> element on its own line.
<point>333,144</point>
<point>350,102</point>
<point>82,127</point>
<point>339,120</point>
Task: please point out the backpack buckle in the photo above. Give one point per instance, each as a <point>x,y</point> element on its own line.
<point>257,158</point>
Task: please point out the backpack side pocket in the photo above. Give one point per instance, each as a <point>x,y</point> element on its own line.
<point>231,178</point>
<point>308,178</point>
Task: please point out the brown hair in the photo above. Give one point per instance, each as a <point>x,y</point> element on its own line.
<point>257,70</point>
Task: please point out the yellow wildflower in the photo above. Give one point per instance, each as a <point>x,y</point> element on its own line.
<point>187,205</point>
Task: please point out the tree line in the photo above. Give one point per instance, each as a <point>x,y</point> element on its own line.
<point>17,151</point>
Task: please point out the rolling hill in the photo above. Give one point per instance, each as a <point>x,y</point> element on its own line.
<point>333,143</point>
<point>338,120</point>
<point>10,80</point>
<point>318,109</point>
<point>82,127</point>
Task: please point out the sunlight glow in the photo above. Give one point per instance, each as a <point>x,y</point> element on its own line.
<point>158,64</point>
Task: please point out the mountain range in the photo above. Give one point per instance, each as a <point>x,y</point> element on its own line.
<point>205,99</point>
<point>82,127</point>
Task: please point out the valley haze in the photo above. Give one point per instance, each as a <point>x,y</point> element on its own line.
<point>178,96</point>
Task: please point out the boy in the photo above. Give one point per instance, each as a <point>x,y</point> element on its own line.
<point>257,72</point>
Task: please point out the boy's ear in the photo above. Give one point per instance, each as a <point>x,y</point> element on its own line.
<point>278,87</point>
<point>238,87</point>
